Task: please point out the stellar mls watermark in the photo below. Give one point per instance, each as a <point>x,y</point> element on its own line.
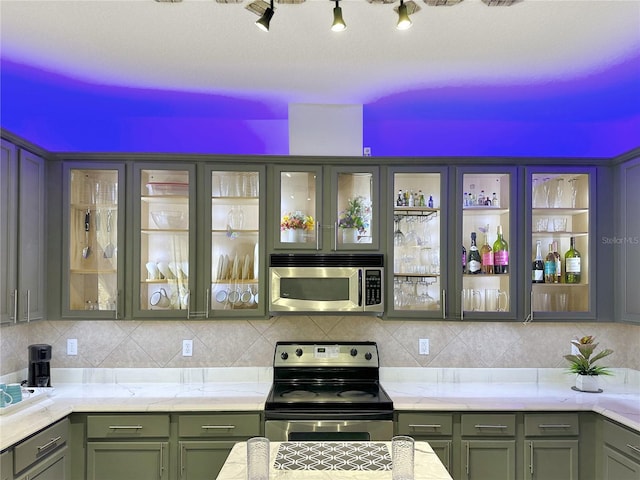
<point>629,240</point>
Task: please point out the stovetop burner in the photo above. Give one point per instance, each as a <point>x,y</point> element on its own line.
<point>312,379</point>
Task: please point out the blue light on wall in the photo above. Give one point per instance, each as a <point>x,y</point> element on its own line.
<point>594,116</point>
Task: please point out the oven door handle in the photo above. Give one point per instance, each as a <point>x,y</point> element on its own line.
<point>335,417</point>
<point>359,287</point>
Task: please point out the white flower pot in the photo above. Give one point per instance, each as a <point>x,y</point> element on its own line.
<point>587,383</point>
<point>349,235</point>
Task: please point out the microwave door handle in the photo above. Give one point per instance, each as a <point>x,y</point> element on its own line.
<point>359,287</point>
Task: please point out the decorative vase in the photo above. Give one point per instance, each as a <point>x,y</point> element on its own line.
<point>587,383</point>
<point>295,235</point>
<point>349,235</point>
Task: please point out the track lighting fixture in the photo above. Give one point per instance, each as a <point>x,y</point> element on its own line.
<point>404,22</point>
<point>338,22</point>
<point>263,22</point>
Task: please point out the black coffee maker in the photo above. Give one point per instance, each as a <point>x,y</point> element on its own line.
<point>39,365</point>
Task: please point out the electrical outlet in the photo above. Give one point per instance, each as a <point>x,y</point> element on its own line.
<point>424,346</point>
<point>366,151</point>
<point>187,348</point>
<point>72,346</point>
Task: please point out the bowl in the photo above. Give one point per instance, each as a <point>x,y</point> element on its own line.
<point>170,220</point>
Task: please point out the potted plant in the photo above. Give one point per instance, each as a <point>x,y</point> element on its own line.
<point>583,363</point>
<point>354,219</point>
<point>296,223</point>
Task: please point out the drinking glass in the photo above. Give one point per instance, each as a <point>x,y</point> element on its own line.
<point>402,457</point>
<point>559,192</point>
<point>398,236</point>
<point>258,458</point>
<point>574,191</point>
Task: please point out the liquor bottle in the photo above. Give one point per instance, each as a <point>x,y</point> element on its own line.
<point>558,263</point>
<point>421,201</point>
<point>430,201</point>
<point>410,199</point>
<point>400,199</point>
<point>475,262</point>
<point>465,200</point>
<point>572,268</point>
<point>481,198</point>
<point>550,266</point>
<point>500,254</point>
<point>464,259</point>
<point>486,254</point>
<point>537,274</point>
<point>494,200</point>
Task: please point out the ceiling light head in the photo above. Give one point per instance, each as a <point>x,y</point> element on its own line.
<point>263,22</point>
<point>404,22</point>
<point>338,22</point>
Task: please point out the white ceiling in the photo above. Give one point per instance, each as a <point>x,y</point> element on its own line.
<point>204,46</point>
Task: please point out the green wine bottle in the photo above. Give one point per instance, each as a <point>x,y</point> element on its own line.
<point>572,267</point>
<point>500,254</point>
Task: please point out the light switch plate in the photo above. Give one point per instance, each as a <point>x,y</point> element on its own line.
<point>424,346</point>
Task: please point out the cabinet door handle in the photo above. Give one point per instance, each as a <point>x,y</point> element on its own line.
<point>466,445</point>
<point>161,461</point>
<point>426,425</point>
<point>181,460</point>
<point>461,305</point>
<point>218,427</point>
<point>15,306</point>
<point>49,444</point>
<point>634,448</point>
<point>444,304</point>
<point>28,306</point>
<point>125,427</point>
<point>502,427</point>
<point>554,425</point>
<point>531,458</point>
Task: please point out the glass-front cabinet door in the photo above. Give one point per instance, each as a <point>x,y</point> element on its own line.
<point>236,217</point>
<point>418,282</point>
<point>164,226</point>
<point>327,209</point>
<point>488,249</point>
<point>94,241</point>
<point>560,246</point>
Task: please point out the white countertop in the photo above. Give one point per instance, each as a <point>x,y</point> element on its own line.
<point>241,389</point>
<point>427,467</point>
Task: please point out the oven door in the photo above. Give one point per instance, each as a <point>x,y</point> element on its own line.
<point>315,289</point>
<point>328,430</point>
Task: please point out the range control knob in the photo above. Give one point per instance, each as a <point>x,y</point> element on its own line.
<point>368,356</point>
<point>284,355</point>
<point>354,352</point>
<point>298,352</point>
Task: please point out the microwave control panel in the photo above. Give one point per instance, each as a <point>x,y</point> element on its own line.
<point>373,286</point>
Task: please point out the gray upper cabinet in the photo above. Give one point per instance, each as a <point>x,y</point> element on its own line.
<point>22,217</point>
<point>326,208</point>
<point>626,243</point>
<point>562,204</point>
<point>93,239</point>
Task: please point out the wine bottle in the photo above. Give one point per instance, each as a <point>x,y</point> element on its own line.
<point>486,254</point>
<point>475,262</point>
<point>464,259</point>
<point>500,254</point>
<point>550,266</point>
<point>558,263</point>
<point>537,273</point>
<point>400,199</point>
<point>572,265</point>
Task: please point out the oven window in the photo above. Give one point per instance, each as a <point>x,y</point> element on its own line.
<point>329,437</point>
<point>317,289</point>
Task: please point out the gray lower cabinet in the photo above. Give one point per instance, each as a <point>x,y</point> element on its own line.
<point>43,456</point>
<point>620,452</point>
<point>488,446</point>
<point>551,446</point>
<point>206,440</point>
<point>128,447</point>
<point>6,465</point>
<point>435,428</point>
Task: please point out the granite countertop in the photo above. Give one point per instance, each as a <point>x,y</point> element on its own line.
<point>245,389</point>
<point>427,464</point>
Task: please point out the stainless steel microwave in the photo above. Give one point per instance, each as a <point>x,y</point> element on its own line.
<point>325,283</point>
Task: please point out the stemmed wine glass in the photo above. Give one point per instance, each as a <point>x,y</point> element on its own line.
<point>398,236</point>
<point>574,191</point>
<point>559,192</point>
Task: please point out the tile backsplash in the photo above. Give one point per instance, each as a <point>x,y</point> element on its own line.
<point>238,343</point>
